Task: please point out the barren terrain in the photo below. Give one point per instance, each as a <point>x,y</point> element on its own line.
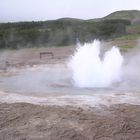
<point>22,121</point>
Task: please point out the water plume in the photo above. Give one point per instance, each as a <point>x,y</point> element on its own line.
<point>90,70</point>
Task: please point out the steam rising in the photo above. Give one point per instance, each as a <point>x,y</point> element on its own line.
<point>90,70</point>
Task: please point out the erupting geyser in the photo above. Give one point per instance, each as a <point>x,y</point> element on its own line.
<point>89,70</point>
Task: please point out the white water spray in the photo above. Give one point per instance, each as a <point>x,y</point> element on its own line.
<point>89,70</point>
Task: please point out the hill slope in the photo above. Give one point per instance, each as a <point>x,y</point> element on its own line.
<point>131,15</point>
<point>66,31</point>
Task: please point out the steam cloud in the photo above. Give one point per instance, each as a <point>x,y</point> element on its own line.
<point>90,70</point>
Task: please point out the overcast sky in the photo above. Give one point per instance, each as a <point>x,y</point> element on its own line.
<point>29,10</point>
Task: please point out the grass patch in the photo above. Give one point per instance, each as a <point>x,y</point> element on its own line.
<point>126,46</point>
<point>129,37</point>
<point>133,29</point>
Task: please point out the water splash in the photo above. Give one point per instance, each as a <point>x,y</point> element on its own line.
<point>89,70</point>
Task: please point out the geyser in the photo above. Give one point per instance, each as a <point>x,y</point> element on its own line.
<point>90,70</point>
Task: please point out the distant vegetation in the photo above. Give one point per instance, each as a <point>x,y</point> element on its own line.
<point>67,31</point>
<point>132,15</point>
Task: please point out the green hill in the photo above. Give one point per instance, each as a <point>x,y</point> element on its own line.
<point>66,31</point>
<point>132,15</point>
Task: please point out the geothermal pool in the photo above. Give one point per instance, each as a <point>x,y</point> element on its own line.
<point>44,85</point>
<point>51,78</point>
<point>103,81</point>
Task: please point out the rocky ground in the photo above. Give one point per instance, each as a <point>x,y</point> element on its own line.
<point>22,121</point>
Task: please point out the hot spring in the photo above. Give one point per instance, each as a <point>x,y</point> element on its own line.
<point>89,76</point>
<point>89,70</point>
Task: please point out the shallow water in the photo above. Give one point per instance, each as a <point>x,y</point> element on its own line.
<point>52,78</point>
<point>52,84</point>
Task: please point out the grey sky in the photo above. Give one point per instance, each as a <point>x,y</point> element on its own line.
<point>25,10</point>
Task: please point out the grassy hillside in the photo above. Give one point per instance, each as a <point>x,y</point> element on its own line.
<point>58,32</point>
<point>133,30</point>
<point>131,15</point>
<point>66,31</point>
